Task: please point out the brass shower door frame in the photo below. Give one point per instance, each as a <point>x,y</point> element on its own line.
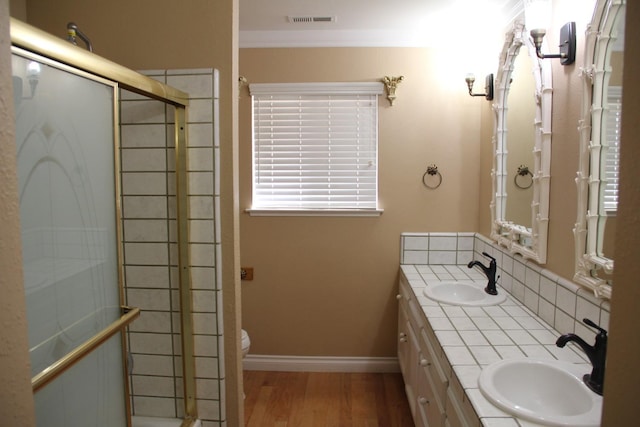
<point>34,40</point>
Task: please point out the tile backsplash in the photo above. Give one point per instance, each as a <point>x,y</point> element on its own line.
<point>437,248</point>
<point>554,299</point>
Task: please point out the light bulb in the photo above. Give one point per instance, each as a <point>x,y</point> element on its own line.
<point>33,70</point>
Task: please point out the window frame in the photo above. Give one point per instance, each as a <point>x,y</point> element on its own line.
<point>310,89</point>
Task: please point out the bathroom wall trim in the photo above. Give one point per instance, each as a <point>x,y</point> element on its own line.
<point>256,362</point>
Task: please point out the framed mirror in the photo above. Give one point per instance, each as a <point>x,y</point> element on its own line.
<point>597,178</point>
<point>522,148</point>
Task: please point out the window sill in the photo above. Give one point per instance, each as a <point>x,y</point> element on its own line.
<point>315,212</point>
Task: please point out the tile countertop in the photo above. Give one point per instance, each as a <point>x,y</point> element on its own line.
<point>474,337</point>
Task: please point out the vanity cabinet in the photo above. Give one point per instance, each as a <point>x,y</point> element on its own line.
<point>432,381</point>
<point>407,354</point>
<point>435,396</point>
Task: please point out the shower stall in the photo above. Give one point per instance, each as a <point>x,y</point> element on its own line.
<point>105,226</point>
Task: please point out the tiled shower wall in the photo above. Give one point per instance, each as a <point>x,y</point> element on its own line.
<point>150,247</point>
<point>556,300</point>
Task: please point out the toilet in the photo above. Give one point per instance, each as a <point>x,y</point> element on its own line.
<point>246,343</point>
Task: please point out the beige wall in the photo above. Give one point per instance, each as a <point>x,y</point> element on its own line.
<point>18,9</point>
<point>146,34</point>
<point>326,286</point>
<point>16,399</point>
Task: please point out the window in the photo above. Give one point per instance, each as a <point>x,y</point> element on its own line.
<point>315,147</point>
<point>612,163</point>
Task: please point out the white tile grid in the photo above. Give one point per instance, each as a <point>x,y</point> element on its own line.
<point>442,257</point>
<point>148,202</point>
<point>436,248</point>
<point>473,337</point>
<point>146,242</point>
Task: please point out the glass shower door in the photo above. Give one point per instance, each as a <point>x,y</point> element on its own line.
<point>66,145</point>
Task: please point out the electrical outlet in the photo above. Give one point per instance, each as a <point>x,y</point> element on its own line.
<point>246,273</point>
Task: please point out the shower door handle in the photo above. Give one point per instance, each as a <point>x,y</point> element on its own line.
<point>71,358</point>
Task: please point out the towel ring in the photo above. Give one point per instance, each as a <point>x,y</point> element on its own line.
<point>523,171</point>
<point>432,170</point>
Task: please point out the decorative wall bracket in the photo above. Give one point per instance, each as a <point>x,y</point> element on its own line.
<point>242,81</point>
<point>391,84</point>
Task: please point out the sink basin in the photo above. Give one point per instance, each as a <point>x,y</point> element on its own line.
<point>462,293</point>
<point>547,392</point>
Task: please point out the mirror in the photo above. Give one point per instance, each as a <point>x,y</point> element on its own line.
<point>521,117</point>
<point>599,147</point>
<point>522,148</point>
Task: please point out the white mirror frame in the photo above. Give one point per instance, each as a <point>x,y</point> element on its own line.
<point>595,77</point>
<point>518,238</point>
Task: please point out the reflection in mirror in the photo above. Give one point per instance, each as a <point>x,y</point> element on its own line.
<point>612,158</point>
<point>599,148</point>
<point>522,148</point>
<point>520,130</point>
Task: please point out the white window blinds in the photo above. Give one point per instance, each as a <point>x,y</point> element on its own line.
<point>612,161</point>
<point>315,146</point>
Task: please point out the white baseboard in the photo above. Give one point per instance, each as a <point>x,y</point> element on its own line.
<point>257,362</point>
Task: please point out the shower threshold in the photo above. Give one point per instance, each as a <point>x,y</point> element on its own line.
<point>138,421</point>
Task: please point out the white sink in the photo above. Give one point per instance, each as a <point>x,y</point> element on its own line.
<point>462,293</point>
<point>547,392</point>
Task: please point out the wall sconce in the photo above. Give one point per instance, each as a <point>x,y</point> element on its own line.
<point>567,53</point>
<point>391,83</point>
<point>488,86</point>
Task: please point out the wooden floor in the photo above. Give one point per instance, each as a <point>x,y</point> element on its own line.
<point>300,399</point>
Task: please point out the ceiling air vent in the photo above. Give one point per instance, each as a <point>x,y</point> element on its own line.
<point>310,19</point>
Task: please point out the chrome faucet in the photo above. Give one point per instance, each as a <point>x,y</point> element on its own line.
<point>596,353</point>
<point>490,272</point>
